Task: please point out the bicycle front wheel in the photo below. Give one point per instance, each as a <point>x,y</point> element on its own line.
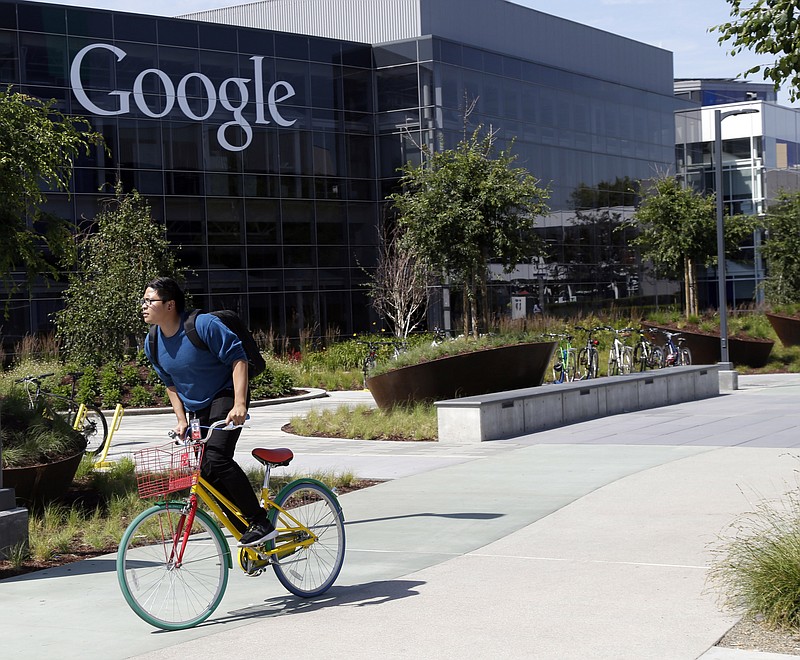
<point>594,363</point>
<point>613,368</point>
<point>627,360</point>
<point>583,365</point>
<point>94,428</point>
<point>308,569</point>
<point>569,367</point>
<point>639,357</point>
<point>166,592</point>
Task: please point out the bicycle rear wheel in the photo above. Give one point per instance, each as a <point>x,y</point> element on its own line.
<point>685,356</point>
<point>640,357</point>
<point>309,570</point>
<point>656,357</point>
<point>163,592</point>
<point>94,428</point>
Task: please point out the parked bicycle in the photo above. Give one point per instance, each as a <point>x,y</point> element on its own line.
<point>646,354</point>
<point>88,419</point>
<point>173,559</point>
<point>620,355</point>
<point>565,359</point>
<point>588,356</point>
<point>674,351</point>
<point>373,350</point>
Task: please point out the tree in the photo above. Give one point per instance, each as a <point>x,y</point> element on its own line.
<point>398,287</point>
<point>781,250</point>
<point>38,145</point>
<point>462,208</point>
<point>768,27</point>
<point>678,229</point>
<point>126,250</point>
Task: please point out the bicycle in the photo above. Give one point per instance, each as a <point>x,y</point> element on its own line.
<point>675,354</point>
<point>173,560</point>
<point>371,358</point>
<point>88,419</point>
<point>564,359</point>
<point>620,356</point>
<point>646,355</point>
<point>588,356</point>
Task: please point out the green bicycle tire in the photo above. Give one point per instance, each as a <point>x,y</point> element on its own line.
<point>164,596</point>
<point>309,571</point>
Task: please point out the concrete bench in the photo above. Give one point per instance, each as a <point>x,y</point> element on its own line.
<point>517,412</point>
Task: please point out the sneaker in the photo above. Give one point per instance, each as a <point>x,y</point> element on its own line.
<point>259,533</point>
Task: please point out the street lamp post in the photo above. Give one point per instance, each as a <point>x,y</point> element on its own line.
<point>723,294</point>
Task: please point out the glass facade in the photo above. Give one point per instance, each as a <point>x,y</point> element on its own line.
<point>589,140</point>
<point>267,155</point>
<point>760,158</point>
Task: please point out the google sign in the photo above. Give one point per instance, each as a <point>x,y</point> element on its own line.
<point>277,93</point>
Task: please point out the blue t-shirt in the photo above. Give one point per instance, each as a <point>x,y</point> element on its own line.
<point>198,375</point>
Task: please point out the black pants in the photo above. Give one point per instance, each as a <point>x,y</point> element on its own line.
<point>218,466</point>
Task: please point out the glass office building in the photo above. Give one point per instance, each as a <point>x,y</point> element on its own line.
<point>267,153</point>
<point>760,159</point>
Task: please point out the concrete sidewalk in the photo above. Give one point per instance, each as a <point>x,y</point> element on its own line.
<point>590,541</point>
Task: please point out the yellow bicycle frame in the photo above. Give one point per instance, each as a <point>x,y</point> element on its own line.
<point>292,534</point>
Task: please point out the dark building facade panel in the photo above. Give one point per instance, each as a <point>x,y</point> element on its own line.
<point>267,155</point>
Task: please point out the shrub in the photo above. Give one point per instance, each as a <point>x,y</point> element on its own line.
<point>88,386</point>
<point>129,374</point>
<point>110,385</point>
<point>31,436</point>
<point>274,381</point>
<point>140,397</point>
<point>160,393</point>
<point>759,568</point>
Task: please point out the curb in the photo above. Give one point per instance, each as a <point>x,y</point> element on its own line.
<point>311,393</point>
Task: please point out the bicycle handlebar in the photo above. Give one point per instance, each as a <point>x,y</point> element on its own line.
<point>33,379</point>
<point>219,424</point>
<point>668,334</point>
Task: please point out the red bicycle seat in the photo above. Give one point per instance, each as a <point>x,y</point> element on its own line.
<point>280,456</point>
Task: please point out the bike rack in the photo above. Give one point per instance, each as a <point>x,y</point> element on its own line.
<point>101,463</point>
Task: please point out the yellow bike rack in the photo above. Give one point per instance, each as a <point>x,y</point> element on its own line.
<point>101,461</point>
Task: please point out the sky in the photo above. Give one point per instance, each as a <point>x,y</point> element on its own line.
<point>680,26</point>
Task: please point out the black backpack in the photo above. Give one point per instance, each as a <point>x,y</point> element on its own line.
<point>233,322</point>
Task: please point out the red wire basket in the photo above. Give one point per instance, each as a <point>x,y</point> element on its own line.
<point>167,468</point>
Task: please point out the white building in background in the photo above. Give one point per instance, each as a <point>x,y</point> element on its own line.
<point>760,157</point>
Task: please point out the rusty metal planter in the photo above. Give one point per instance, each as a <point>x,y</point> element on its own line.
<point>468,374</point>
<point>705,348</point>
<point>786,327</point>
<point>39,484</point>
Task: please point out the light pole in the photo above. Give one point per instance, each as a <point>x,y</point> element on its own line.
<point>723,294</point>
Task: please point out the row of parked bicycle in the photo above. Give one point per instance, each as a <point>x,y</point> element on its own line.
<point>571,363</point>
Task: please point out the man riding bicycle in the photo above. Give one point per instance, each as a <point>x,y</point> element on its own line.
<point>205,386</point>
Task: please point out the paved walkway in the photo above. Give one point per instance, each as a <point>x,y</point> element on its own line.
<point>589,541</point>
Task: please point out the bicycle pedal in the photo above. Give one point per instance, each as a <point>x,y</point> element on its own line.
<point>254,573</point>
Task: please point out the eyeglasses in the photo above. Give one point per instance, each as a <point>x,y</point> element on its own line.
<point>148,302</point>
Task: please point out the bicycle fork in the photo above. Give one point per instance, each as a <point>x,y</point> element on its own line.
<point>180,536</point>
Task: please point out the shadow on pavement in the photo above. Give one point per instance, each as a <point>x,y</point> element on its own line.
<point>456,516</point>
<point>357,595</point>
<point>107,564</point>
